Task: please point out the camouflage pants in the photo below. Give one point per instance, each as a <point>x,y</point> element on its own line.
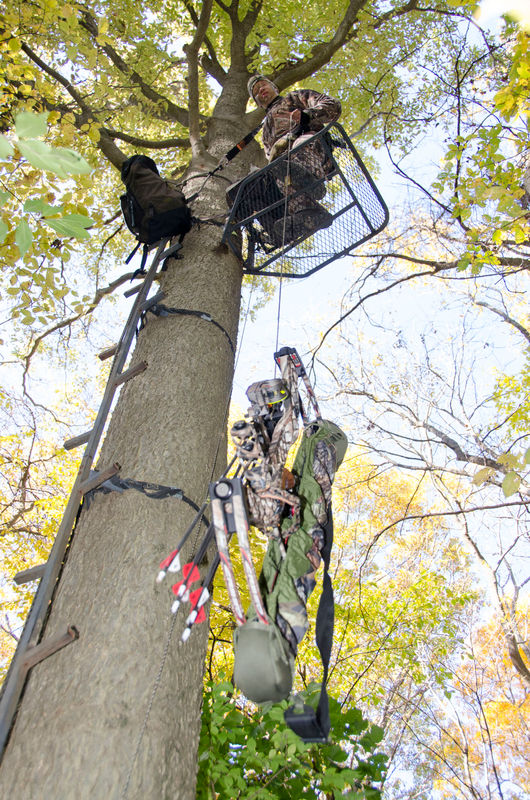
<point>313,160</point>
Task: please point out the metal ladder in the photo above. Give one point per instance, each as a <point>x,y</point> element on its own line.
<point>29,651</point>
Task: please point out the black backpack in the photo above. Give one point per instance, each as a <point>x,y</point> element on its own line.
<point>153,208</point>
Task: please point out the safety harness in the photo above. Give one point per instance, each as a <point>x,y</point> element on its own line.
<point>293,510</point>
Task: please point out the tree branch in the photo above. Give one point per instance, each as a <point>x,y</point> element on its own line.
<point>209,62</point>
<point>437,267</point>
<point>192,54</point>
<point>322,52</point>
<point>98,296</point>
<point>503,315</point>
<point>151,144</point>
<point>105,143</point>
<point>171,112</point>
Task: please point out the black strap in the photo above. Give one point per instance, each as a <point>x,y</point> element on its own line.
<point>232,153</point>
<point>132,253</point>
<point>236,149</point>
<point>154,491</point>
<point>160,310</point>
<point>311,725</point>
<point>141,268</point>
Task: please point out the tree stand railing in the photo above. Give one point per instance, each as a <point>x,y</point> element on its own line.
<point>311,205</point>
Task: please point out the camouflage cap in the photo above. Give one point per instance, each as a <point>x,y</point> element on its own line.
<point>255,79</point>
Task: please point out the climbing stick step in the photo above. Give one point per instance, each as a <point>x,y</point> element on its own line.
<point>48,647</point>
<point>108,352</point>
<point>130,373</point>
<point>75,441</point>
<point>97,478</point>
<point>31,574</point>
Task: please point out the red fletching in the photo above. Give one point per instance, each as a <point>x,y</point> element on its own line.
<point>194,597</point>
<point>167,561</point>
<point>191,572</point>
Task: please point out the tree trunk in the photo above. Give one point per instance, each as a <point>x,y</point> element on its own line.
<point>88,725</point>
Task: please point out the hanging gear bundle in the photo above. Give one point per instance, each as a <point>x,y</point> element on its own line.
<point>293,509</point>
<point>313,204</point>
<point>153,208</point>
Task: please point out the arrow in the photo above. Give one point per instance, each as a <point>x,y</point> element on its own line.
<point>182,589</point>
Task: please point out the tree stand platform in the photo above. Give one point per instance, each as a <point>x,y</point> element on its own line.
<point>311,205</point>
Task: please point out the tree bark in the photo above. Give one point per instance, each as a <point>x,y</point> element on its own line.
<point>88,725</point>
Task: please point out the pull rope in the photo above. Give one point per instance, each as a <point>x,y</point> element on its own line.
<point>284,225</point>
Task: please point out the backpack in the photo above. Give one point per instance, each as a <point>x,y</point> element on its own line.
<point>153,208</point>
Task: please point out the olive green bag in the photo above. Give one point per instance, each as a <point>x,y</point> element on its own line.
<point>263,663</point>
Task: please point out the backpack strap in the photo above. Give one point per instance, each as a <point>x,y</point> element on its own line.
<point>310,724</point>
<point>232,153</point>
<point>141,268</point>
<point>132,253</point>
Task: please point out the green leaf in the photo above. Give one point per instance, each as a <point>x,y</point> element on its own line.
<point>4,230</point>
<point>335,753</point>
<point>39,154</point>
<point>509,459</point>
<point>527,456</point>
<point>80,220</point>
<point>510,484</point>
<point>6,148</point>
<point>3,197</point>
<point>41,207</point>
<point>60,160</point>
<point>30,126</point>
<point>519,234</point>
<point>71,162</point>
<point>71,225</point>
<point>23,237</point>
<point>482,475</point>
<point>498,236</point>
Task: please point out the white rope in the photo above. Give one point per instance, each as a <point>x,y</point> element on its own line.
<point>284,225</point>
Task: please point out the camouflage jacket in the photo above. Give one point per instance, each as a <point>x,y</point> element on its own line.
<point>317,111</point>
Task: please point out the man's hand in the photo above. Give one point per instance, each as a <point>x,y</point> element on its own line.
<point>289,119</point>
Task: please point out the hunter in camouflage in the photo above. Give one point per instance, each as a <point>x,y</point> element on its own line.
<point>290,122</point>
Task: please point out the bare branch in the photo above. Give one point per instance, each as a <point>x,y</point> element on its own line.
<point>506,317</point>
<point>192,54</point>
<point>151,144</point>
<point>64,323</point>
<point>437,267</point>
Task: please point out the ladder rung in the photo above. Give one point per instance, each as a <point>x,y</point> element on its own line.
<point>130,373</point>
<point>152,301</point>
<point>31,574</point>
<point>98,478</point>
<point>108,352</point>
<point>41,651</point>
<point>133,290</point>
<point>75,441</point>
<point>171,251</point>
